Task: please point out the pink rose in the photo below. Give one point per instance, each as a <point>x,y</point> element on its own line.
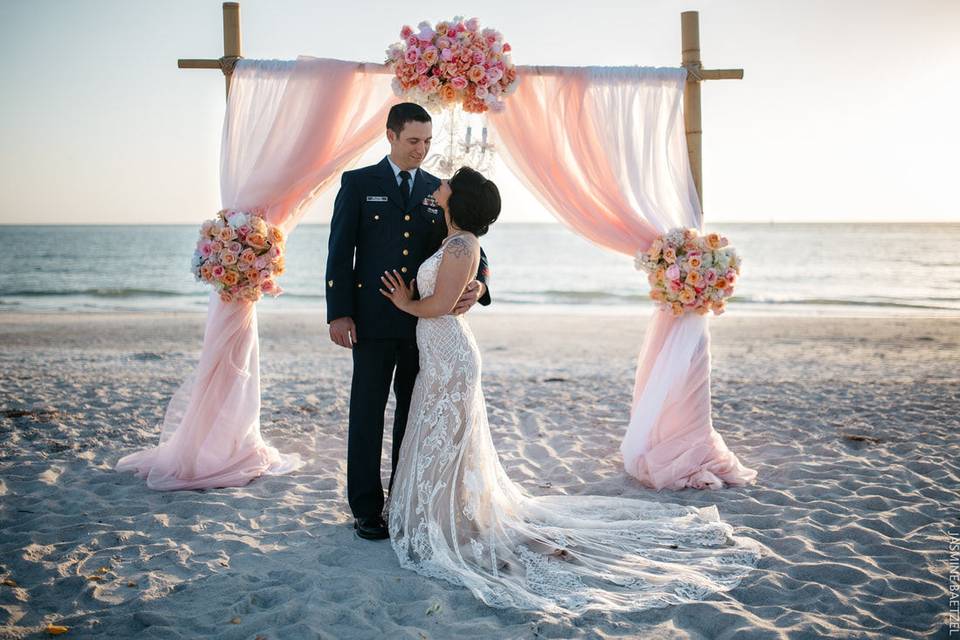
<point>675,285</point>
<point>478,58</point>
<point>472,24</point>
<point>459,83</point>
<point>673,272</point>
<point>235,247</point>
<point>205,247</point>
<point>413,41</point>
<point>480,92</point>
<point>711,276</point>
<point>218,271</point>
<point>406,32</point>
<point>494,75</point>
<point>261,262</point>
<point>412,55</point>
<point>446,55</point>
<point>421,67</point>
<point>265,275</point>
<point>452,33</point>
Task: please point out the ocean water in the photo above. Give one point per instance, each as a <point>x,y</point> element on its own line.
<point>789,269</point>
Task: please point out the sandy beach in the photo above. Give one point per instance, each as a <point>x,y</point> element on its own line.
<point>852,424</point>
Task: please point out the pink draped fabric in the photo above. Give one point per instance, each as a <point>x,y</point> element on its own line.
<point>290,128</point>
<point>604,150</point>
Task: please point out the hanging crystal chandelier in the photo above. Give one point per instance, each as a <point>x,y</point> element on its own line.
<point>460,140</point>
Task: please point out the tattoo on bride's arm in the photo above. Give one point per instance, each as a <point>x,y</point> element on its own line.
<point>459,247</point>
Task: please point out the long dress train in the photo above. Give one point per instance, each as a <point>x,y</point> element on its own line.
<point>455,515</point>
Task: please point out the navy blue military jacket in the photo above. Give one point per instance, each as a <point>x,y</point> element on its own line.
<point>371,232</point>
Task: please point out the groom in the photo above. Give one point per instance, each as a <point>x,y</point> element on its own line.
<point>384,218</point>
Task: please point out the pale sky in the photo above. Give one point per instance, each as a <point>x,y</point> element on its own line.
<point>847,111</point>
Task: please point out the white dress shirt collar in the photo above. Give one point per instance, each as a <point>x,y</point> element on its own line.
<point>397,170</point>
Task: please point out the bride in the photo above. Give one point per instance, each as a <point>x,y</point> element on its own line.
<point>455,515</point>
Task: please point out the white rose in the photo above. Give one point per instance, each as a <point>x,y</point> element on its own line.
<point>238,219</point>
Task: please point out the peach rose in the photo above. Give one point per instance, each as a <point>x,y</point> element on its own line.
<point>228,258</point>
<point>693,278</point>
<point>670,255</point>
<point>206,272</point>
<point>694,260</point>
<point>713,240</point>
<point>447,94</point>
<point>476,72</point>
<point>657,295</point>
<point>226,234</point>
<point>688,295</point>
<point>252,275</point>
<point>257,239</point>
<point>231,278</point>
<point>702,310</point>
<point>430,56</point>
<point>721,283</point>
<point>226,296</point>
<point>719,307</point>
<point>677,309</point>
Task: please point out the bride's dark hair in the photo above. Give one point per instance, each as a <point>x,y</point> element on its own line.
<point>474,202</point>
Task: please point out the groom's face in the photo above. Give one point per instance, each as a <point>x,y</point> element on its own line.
<point>411,145</point>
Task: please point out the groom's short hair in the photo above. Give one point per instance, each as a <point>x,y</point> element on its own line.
<point>401,114</point>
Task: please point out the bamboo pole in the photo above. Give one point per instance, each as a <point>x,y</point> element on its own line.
<point>690,43</point>
<point>231,40</point>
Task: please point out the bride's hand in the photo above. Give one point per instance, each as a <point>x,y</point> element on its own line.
<point>396,289</point>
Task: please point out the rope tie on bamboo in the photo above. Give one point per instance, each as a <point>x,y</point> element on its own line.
<point>227,63</point>
<point>693,71</point>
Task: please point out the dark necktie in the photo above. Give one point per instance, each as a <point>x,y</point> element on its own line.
<point>405,187</point>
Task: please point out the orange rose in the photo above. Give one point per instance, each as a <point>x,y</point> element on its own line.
<point>693,278</point>
<point>252,275</point>
<point>276,236</point>
<point>721,283</point>
<point>257,240</point>
<point>231,278</point>
<point>713,240</point>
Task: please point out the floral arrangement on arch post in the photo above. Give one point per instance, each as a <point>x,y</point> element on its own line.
<point>240,254</point>
<point>690,272</point>
<point>453,63</point>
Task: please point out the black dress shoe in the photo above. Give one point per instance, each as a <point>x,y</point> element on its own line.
<point>371,528</point>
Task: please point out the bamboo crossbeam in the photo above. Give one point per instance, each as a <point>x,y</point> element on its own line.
<point>721,74</point>
<point>191,63</point>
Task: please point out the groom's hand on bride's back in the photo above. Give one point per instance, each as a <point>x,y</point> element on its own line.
<point>471,293</point>
<point>343,332</point>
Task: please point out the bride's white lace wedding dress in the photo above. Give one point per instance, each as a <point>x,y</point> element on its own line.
<point>454,514</point>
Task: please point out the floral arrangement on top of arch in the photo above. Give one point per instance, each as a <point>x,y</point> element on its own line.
<point>455,62</point>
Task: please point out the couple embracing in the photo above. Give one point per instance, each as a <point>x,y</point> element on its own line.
<point>404,266</point>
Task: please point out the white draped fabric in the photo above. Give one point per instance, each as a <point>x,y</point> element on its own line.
<point>290,128</point>
<point>604,149</point>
